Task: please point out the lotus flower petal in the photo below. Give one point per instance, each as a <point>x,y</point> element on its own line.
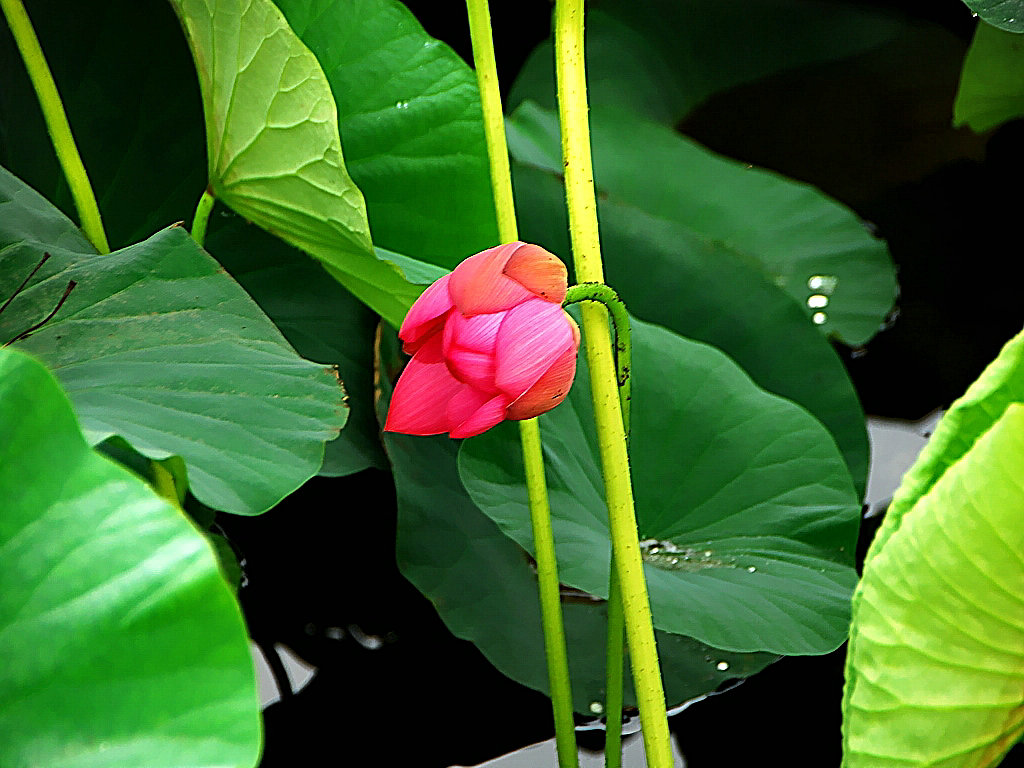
<point>414,405</point>
<point>480,286</point>
<point>486,416</point>
<point>426,314</point>
<point>550,390</point>
<point>533,336</point>
<point>540,272</point>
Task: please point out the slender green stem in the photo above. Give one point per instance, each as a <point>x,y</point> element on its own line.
<point>579,183</point>
<point>202,216</point>
<point>56,122</point>
<point>163,484</point>
<point>615,644</point>
<point>529,430</point>
<point>614,654</point>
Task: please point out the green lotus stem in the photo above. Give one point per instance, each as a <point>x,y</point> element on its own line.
<point>614,648</point>
<point>163,484</point>
<point>202,217</point>
<point>604,294</point>
<point>56,122</point>
<point>529,429</point>
<point>582,204</point>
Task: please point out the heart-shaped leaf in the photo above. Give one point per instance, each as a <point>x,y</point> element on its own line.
<point>273,150</point>
<point>746,508</point>
<point>122,643</point>
<point>935,667</point>
<point>157,344</point>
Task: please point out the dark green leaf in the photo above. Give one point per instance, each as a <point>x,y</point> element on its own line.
<point>485,588</point>
<point>1005,14</point>
<point>322,320</point>
<point>157,344</point>
<point>670,274</point>
<point>661,59</point>
<point>411,126</point>
<point>745,504</point>
<point>122,644</point>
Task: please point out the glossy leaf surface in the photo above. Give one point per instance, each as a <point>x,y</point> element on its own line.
<point>122,643</point>
<point>1004,14</point>
<point>411,126</point>
<point>744,503</point>
<point>273,150</point>
<point>157,344</point>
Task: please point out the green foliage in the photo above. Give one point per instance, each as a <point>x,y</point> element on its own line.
<point>992,83</point>
<point>1004,14</point>
<point>746,506</point>
<point>272,144</point>
<point>122,644</point>
<point>935,668</point>
<point>672,269</point>
<point>409,114</point>
<point>156,344</point>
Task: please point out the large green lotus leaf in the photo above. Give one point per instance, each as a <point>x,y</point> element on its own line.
<point>157,344</point>
<point>935,667</point>
<point>1000,385</point>
<point>318,317</point>
<point>671,275</point>
<point>809,245</point>
<point>1004,14</point>
<point>485,588</point>
<point>992,82</point>
<point>122,644</point>
<point>272,144</point>
<point>744,504</point>
<point>411,126</point>
<point>661,59</point>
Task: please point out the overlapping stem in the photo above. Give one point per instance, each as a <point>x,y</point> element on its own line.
<point>56,122</point>
<point>615,641</point>
<point>579,183</point>
<point>529,430</point>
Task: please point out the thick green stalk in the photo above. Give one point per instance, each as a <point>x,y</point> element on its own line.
<point>529,430</point>
<point>615,641</point>
<point>56,122</point>
<point>202,217</point>
<point>579,184</point>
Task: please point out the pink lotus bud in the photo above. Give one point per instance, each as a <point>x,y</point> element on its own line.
<point>489,342</point>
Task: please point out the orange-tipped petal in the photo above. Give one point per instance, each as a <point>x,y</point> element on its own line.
<point>480,286</point>
<point>539,271</point>
<point>420,399</point>
<point>426,315</point>
<point>486,416</point>
<point>549,391</point>
<point>532,337</point>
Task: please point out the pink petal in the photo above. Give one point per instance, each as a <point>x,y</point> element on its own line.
<point>473,368</point>
<point>478,333</point>
<point>479,285</point>
<point>464,404</point>
<point>420,400</point>
<point>486,416</point>
<point>550,390</point>
<point>532,338</point>
<point>539,271</point>
<point>426,315</point>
